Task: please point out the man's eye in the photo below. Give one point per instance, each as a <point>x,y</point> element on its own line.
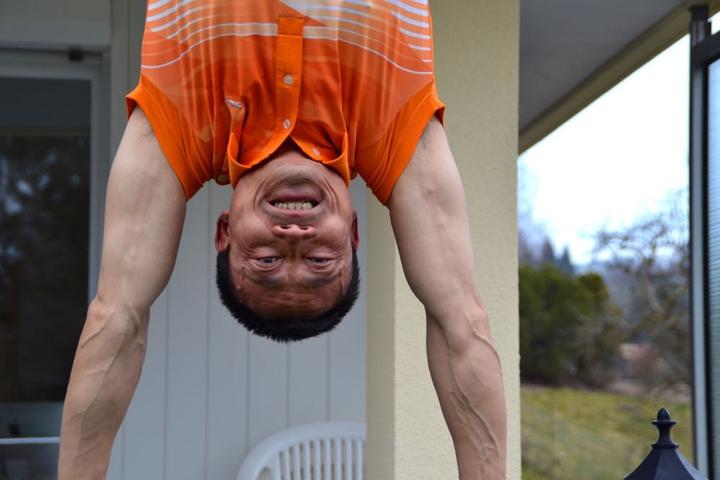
<point>321,261</point>
<point>268,260</point>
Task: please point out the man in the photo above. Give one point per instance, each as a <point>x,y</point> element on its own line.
<point>286,101</point>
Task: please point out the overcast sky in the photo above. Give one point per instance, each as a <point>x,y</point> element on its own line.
<point>614,161</point>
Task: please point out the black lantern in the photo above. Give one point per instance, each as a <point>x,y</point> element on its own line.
<point>665,460</point>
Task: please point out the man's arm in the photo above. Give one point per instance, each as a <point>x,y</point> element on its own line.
<point>429,218</point>
<point>143,222</point>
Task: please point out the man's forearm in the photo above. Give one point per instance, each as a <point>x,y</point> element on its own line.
<point>468,379</point>
<point>105,373</point>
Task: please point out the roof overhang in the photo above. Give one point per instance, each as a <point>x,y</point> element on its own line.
<point>573,51</point>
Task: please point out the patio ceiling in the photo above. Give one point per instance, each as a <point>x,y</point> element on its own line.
<point>572,51</point>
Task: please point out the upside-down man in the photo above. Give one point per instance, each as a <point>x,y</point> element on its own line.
<point>287,102</point>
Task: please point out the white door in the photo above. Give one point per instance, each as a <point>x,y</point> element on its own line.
<point>50,140</point>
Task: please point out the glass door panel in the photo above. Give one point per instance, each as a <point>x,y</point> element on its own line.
<point>45,163</point>
<point>713,253</point>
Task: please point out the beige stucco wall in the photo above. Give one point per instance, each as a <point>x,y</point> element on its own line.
<point>477,59</point>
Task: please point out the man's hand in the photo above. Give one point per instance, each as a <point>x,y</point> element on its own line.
<point>143,222</point>
<point>429,219</point>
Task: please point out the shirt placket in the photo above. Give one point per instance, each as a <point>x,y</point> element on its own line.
<point>288,74</point>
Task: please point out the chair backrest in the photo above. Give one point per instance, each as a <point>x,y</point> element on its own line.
<point>318,451</point>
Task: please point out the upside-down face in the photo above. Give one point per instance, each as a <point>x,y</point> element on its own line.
<point>291,230</point>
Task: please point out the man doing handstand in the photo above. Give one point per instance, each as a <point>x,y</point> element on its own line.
<point>286,101</point>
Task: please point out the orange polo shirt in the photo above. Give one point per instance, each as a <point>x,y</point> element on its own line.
<point>224,83</point>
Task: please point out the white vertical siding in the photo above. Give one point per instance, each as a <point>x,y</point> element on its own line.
<point>267,389</point>
<point>144,427</point>
<point>347,357</point>
<point>227,371</point>
<point>187,347</point>
<point>308,365</point>
<point>142,460</point>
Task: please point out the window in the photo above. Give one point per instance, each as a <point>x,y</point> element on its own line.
<point>604,282</point>
<point>705,160</point>
<point>713,252</point>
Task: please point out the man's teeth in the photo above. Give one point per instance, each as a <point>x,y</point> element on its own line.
<point>294,205</point>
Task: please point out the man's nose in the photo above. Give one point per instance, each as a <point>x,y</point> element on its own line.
<point>294,231</point>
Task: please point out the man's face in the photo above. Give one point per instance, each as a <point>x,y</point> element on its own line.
<point>291,230</point>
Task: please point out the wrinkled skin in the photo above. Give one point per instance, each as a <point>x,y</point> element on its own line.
<point>289,262</point>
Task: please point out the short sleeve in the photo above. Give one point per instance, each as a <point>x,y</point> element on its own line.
<point>186,154</point>
<point>382,163</point>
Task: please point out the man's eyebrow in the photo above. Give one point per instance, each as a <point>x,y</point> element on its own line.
<point>274,281</point>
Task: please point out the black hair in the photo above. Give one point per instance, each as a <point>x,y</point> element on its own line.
<point>284,329</point>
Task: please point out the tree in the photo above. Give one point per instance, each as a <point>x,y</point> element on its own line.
<point>570,331</point>
<point>526,254</point>
<point>564,262</point>
<point>654,253</point>
<point>548,253</point>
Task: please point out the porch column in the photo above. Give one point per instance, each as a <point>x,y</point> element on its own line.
<point>477,57</point>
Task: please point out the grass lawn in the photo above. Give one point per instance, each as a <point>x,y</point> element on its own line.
<point>578,434</point>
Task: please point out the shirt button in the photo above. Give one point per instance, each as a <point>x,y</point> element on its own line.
<point>288,79</point>
<point>315,151</point>
<point>287,123</point>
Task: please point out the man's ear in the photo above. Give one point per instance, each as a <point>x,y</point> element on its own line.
<point>222,231</point>
<point>355,235</point>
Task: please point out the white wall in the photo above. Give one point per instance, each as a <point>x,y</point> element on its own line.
<point>48,23</point>
<point>209,391</point>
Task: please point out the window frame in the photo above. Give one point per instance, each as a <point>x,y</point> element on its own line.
<point>92,66</point>
<point>704,50</point>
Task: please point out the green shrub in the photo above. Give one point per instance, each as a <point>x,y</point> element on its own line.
<point>570,331</point>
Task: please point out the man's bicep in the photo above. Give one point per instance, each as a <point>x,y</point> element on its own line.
<point>429,219</point>
<point>144,214</point>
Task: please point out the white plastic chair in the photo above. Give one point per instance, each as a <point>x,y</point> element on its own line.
<point>318,451</point>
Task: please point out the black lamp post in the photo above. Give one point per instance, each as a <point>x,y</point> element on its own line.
<point>665,460</point>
